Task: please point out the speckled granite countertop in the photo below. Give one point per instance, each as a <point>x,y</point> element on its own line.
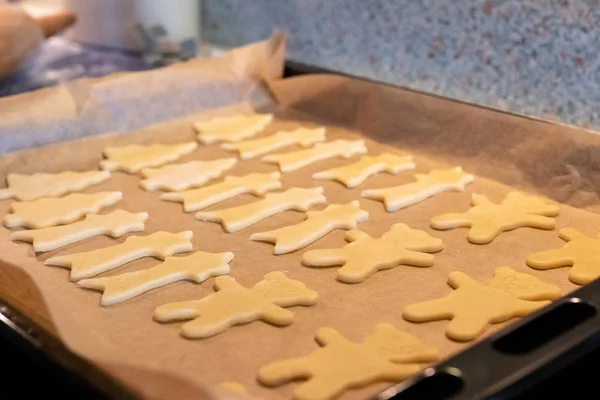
<point>534,57</point>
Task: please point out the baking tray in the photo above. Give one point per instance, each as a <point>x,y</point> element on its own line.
<point>504,374</point>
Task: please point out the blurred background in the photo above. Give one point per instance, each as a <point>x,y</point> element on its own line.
<point>534,57</point>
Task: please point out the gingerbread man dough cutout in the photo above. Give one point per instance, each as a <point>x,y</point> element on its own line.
<point>295,160</point>
<point>197,199</point>
<point>196,267</point>
<point>231,129</point>
<point>184,176</point>
<point>32,187</point>
<point>386,355</point>
<point>363,257</point>
<point>472,307</point>
<point>426,186</point>
<point>582,253</point>
<point>258,147</point>
<point>487,220</point>
<point>354,174</point>
<point>234,304</point>
<point>133,158</point>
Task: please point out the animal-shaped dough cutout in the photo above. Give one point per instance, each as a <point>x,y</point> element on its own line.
<point>34,186</point>
<point>185,176</point>
<point>363,257</point>
<point>231,129</point>
<point>582,253</point>
<point>488,220</point>
<point>354,174</point>
<point>316,225</point>
<point>114,224</point>
<point>235,218</point>
<point>426,186</point>
<point>472,306</point>
<point>234,304</point>
<point>196,267</point>
<point>386,355</point>
<point>258,147</point>
<point>295,160</point>
<point>51,211</point>
<point>134,158</point>
<point>90,263</point>
<point>197,199</point>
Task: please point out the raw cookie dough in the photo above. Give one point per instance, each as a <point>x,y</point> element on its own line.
<point>197,199</point>
<point>582,253</point>
<point>234,304</point>
<point>316,225</point>
<point>295,160</point>
<point>426,186</point>
<point>232,387</point>
<point>196,267</point>
<point>354,174</point>
<point>184,176</point>
<point>32,187</point>
<point>231,129</point>
<point>363,257</point>
<point>90,263</point>
<point>487,220</point>
<point>472,307</point>
<point>258,147</point>
<point>133,158</point>
<point>236,218</point>
<point>114,224</point>
<point>51,211</point>
<point>386,355</point>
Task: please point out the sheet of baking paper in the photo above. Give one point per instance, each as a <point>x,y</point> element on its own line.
<point>125,340</point>
<point>131,100</point>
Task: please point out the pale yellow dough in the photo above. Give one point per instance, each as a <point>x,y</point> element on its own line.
<point>295,160</point>
<point>386,355</point>
<point>51,211</point>
<point>114,224</point>
<point>234,304</point>
<point>354,174</point>
<point>134,158</point>
<point>197,199</point>
<point>196,267</point>
<point>185,176</point>
<point>258,147</point>
<point>32,187</point>
<point>233,387</point>
<point>90,263</point>
<point>427,185</point>
<point>231,129</point>
<point>316,225</point>
<point>235,218</point>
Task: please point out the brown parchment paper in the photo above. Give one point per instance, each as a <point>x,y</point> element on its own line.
<point>124,339</point>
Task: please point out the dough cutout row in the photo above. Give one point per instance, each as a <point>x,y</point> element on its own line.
<point>256,184</point>
<point>90,263</point>
<point>354,174</point>
<point>196,267</point>
<point>472,306</point>
<point>426,186</point>
<point>386,355</point>
<point>133,158</point>
<point>114,224</point>
<point>316,225</point>
<point>364,256</point>
<point>184,176</point>
<point>232,304</point>
<point>581,252</point>
<point>50,211</point>
<point>232,128</point>
<point>234,219</point>
<point>487,220</point>
<point>32,187</point>
<point>295,160</point>
<point>257,147</point>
